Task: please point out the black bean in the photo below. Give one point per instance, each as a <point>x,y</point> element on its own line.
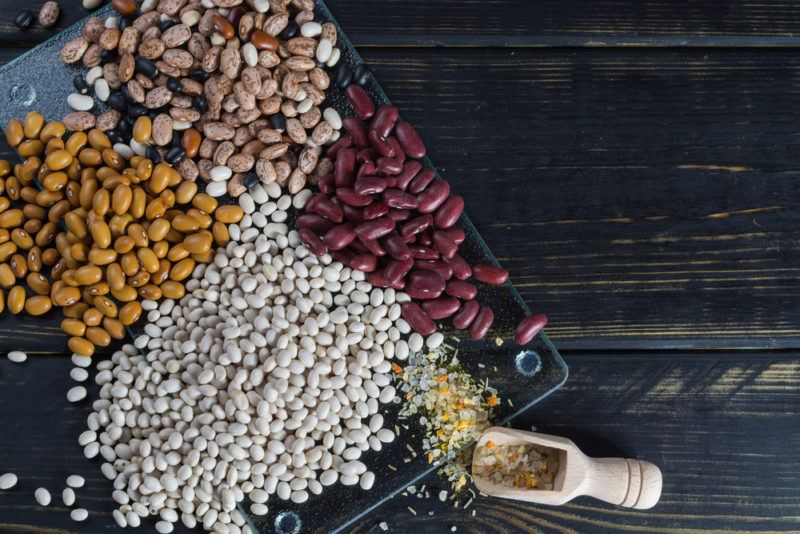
<point>124,129</point>
<point>319,64</point>
<point>344,76</point>
<point>251,180</point>
<point>107,56</point>
<point>200,103</point>
<point>177,137</point>
<point>278,121</point>
<point>146,67</point>
<point>127,94</point>
<point>137,110</point>
<point>290,30</point>
<point>117,101</point>
<point>24,20</point>
<point>174,155</point>
<point>153,154</point>
<point>153,113</point>
<point>114,136</point>
<point>362,74</point>
<point>166,24</point>
<point>124,22</point>
<point>199,75</point>
<point>80,83</point>
<point>174,84</point>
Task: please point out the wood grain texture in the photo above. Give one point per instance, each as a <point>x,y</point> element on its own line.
<point>721,426</point>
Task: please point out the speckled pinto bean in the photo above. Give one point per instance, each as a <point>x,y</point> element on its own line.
<point>529,327</point>
<point>361,102</point>
<point>489,274</point>
<point>417,318</point>
<point>441,308</point>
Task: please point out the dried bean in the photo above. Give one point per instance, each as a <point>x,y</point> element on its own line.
<point>529,327</point>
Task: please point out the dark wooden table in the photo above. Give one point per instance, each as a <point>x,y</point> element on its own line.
<point>636,165</point>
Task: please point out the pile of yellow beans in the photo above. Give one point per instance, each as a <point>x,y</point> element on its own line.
<point>94,233</point>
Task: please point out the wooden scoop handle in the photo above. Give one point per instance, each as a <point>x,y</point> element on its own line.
<point>623,481</point>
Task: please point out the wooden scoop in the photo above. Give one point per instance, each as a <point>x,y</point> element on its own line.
<point>620,481</point>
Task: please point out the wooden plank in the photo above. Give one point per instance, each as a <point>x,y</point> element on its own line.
<point>628,23</point>
<point>642,198</point>
<point>722,427</point>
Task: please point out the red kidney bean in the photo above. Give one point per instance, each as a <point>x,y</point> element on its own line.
<point>381,145</point>
<point>421,181</point>
<point>366,169</point>
<point>462,290</point>
<point>353,215</point>
<point>466,314</point>
<point>348,196</point>
<point>440,268</point>
<point>396,247</point>
<point>399,155</point>
<point>425,280</point>
<point>391,182</point>
<point>394,198</point>
<point>395,270</point>
<point>339,236</point>
<point>344,256</point>
<point>433,196</point>
<point>374,247</point>
<point>367,155</point>
<point>409,140</point>
<point>482,323</point>
<point>456,234</point>
<point>362,103</point>
<point>313,222</point>
<point>375,229</point>
<point>377,279</point>
<point>336,146</point>
<point>421,294</point>
<point>416,225</point>
<point>368,185</point>
<point>441,308</point>
<point>389,166</point>
<point>446,246</point>
<point>424,239</point>
<point>313,241</point>
<point>357,131</point>
<point>344,168</point>
<point>325,184</point>
<point>375,210</point>
<point>449,212</point>
<point>364,262</point>
<point>384,119</point>
<point>461,268</point>
<point>399,215</point>
<point>417,318</point>
<point>357,247</point>
<point>326,208</point>
<point>410,170</point>
<point>488,274</point>
<point>234,15</point>
<point>423,253</point>
<point>529,327</point>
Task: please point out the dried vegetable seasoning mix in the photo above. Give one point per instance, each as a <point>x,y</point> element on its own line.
<point>516,466</point>
<point>452,407</point>
<point>103,233</point>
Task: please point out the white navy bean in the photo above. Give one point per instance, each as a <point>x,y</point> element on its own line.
<point>17,356</point>
<point>8,481</point>
<point>42,496</point>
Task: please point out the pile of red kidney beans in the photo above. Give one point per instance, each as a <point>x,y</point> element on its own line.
<point>382,213</point>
